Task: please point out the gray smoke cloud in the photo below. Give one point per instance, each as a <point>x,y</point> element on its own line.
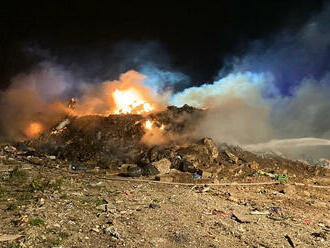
<point>280,89</point>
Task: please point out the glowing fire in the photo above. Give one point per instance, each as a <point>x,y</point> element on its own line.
<point>33,130</point>
<point>130,101</point>
<point>148,124</point>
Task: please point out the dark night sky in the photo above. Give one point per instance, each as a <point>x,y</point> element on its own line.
<point>198,37</point>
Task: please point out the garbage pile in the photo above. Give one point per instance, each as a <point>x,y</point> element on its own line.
<point>115,143</point>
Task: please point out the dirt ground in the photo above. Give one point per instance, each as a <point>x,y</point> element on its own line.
<point>58,207</point>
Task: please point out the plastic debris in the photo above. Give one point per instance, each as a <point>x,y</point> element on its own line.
<point>279,177</point>
<point>196,176</point>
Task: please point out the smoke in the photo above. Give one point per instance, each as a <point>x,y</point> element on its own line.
<point>278,90</point>
<point>33,97</point>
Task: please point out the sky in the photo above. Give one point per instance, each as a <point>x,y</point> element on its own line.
<point>101,40</point>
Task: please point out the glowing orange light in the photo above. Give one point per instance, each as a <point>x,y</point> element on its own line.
<point>148,124</point>
<point>130,101</point>
<point>34,129</point>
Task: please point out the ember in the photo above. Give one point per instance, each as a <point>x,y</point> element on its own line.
<point>33,130</point>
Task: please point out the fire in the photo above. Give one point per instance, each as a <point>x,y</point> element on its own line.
<point>33,130</point>
<point>130,101</point>
<point>148,124</point>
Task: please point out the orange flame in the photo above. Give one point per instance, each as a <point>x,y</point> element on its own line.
<point>33,130</point>
<point>130,101</point>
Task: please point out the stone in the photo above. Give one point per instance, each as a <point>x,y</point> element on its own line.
<point>211,147</point>
<point>253,165</point>
<point>163,165</point>
<point>124,167</point>
<point>164,178</point>
<point>207,174</point>
<point>289,189</point>
<point>153,205</point>
<point>150,170</point>
<point>112,232</point>
<point>232,156</point>
<point>134,172</point>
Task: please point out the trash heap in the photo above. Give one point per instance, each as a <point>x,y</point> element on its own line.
<point>114,143</point>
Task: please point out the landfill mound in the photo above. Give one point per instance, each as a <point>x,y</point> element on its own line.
<point>119,144</point>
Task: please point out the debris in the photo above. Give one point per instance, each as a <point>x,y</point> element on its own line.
<point>211,147</point>
<point>287,237</point>
<point>8,237</point>
<point>219,212</point>
<point>232,156</point>
<point>164,178</point>
<point>320,235</point>
<point>207,174</point>
<point>10,149</point>
<point>95,230</point>
<point>308,222</point>
<point>196,176</point>
<point>63,124</point>
<point>163,165</point>
<point>239,219</point>
<point>256,212</point>
<point>153,205</point>
<point>112,232</point>
<point>279,177</point>
<point>253,165</point>
<point>150,170</point>
<point>134,171</point>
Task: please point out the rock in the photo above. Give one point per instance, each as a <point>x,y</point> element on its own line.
<point>134,172</point>
<point>306,193</point>
<point>288,189</point>
<point>211,147</point>
<point>95,230</point>
<point>187,166</point>
<point>124,167</point>
<point>10,149</point>
<point>153,205</point>
<point>163,165</point>
<point>253,165</point>
<point>150,170</point>
<point>207,174</point>
<point>103,207</point>
<point>164,178</point>
<point>232,156</point>
<point>112,232</point>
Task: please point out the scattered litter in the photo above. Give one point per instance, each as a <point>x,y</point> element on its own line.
<point>256,212</point>
<point>219,212</point>
<point>153,205</point>
<point>287,237</point>
<point>308,222</point>
<point>197,176</point>
<point>279,177</point>
<point>112,232</point>
<point>238,219</point>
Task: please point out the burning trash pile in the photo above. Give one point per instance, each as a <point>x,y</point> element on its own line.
<point>123,127</point>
